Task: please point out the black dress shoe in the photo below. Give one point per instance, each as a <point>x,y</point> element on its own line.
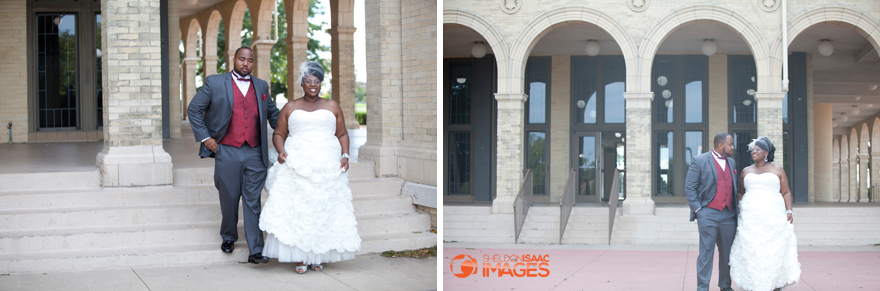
<point>727,289</point>
<point>227,246</point>
<point>258,258</point>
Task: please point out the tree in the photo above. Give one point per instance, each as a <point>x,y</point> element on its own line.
<point>279,50</point>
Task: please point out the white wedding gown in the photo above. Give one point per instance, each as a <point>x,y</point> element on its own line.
<point>309,215</point>
<point>764,251</point>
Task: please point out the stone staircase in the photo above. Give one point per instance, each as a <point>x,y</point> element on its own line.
<point>816,224</point>
<point>53,222</point>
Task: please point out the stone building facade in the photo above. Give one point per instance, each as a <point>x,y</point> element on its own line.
<point>643,86</point>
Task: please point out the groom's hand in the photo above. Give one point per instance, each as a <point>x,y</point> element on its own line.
<point>282,156</point>
<point>211,144</point>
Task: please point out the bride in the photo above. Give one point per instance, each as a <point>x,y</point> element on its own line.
<point>309,215</point>
<point>764,252</point>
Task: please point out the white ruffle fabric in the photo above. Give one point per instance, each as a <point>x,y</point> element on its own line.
<point>764,251</point>
<point>309,214</point>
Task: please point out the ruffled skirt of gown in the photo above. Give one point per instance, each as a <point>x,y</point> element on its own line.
<point>764,251</point>
<point>309,216</point>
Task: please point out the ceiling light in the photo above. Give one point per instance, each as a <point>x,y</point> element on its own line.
<point>833,122</point>
<point>592,48</point>
<point>825,48</point>
<point>478,50</point>
<point>843,117</point>
<point>873,87</point>
<point>854,110</point>
<point>709,47</point>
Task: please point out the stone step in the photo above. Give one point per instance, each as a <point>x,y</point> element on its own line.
<point>397,241</point>
<point>120,257</point>
<point>361,170</point>
<point>393,222</point>
<point>50,181</point>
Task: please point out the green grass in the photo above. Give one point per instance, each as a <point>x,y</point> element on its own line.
<point>360,108</point>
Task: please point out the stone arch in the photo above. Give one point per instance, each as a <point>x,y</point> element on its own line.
<point>736,22</point>
<point>490,33</point>
<point>864,156</point>
<point>297,13</point>
<point>858,21</point>
<point>212,25</point>
<point>863,139</point>
<point>544,23</point>
<point>232,27</point>
<point>191,39</point>
<point>261,18</point>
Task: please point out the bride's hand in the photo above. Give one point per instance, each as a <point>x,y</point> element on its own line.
<point>790,218</point>
<point>282,156</point>
<point>344,165</point>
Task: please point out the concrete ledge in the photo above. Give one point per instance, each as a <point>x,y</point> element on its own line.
<point>135,166</point>
<point>424,195</point>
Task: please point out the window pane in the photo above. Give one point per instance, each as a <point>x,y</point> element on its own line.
<point>693,145</point>
<point>583,81</point>
<point>694,104</point>
<point>665,175</point>
<point>537,102</point>
<point>785,109</point>
<point>663,78</point>
<point>56,70</point>
<point>741,140</point>
<point>535,161</point>
<point>742,83</point>
<point>459,163</point>
<point>615,77</point>
<point>587,165</point>
<point>460,103</point>
<point>538,87</point>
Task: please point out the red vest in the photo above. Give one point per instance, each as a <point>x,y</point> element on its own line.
<point>243,127</point>
<point>724,190</point>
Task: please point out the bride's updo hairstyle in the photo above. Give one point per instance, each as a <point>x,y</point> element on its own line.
<point>309,68</point>
<point>765,144</point>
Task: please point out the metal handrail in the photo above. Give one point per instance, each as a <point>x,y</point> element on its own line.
<point>612,203</point>
<point>567,202</point>
<point>522,203</point>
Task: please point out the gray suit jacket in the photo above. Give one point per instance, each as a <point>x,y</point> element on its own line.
<point>702,181</point>
<point>214,100</point>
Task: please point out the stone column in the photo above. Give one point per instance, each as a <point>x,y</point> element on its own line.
<point>342,46</point>
<point>230,57</point>
<point>297,52</point>
<point>844,169</point>
<point>210,65</point>
<point>875,175</point>
<point>189,81</point>
<point>384,94</point>
<point>769,113</point>
<point>835,171</point>
<point>133,153</point>
<point>853,183</point>
<point>263,54</point>
<point>822,161</point>
<point>510,145</point>
<point>175,106</point>
<point>863,174</point>
<point>638,154</point>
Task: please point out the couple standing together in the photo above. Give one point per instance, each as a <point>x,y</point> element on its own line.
<point>747,216</point>
<point>309,215</point>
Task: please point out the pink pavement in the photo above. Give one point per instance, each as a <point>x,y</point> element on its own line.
<point>610,269</point>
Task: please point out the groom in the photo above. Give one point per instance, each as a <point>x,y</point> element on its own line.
<point>233,132</point>
<point>710,188</point>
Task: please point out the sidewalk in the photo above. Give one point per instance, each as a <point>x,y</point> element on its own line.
<point>632,267</point>
<point>365,272</point>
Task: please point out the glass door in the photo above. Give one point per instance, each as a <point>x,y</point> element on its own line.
<point>588,160</point>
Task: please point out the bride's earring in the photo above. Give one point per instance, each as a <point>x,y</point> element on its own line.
<point>765,158</point>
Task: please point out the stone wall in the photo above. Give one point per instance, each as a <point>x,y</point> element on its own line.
<point>13,100</point>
